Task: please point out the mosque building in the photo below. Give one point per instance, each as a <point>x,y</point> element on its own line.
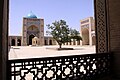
<point>33,34</point>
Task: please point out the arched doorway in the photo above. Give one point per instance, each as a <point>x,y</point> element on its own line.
<point>30,39</point>
<point>85,36</point>
<point>46,42</point>
<point>19,42</point>
<point>13,42</point>
<point>50,42</point>
<point>32,31</point>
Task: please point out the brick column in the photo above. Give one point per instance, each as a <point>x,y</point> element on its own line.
<point>114,35</point>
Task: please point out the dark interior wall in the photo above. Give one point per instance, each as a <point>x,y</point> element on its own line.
<point>3,38</point>
<point>1,24</point>
<point>114,37</point>
<point>114,20</point>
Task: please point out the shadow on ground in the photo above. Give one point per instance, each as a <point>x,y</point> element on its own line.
<point>60,49</point>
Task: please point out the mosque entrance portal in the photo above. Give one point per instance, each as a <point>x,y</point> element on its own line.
<point>30,39</point>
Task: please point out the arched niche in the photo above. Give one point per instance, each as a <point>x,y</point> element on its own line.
<point>19,42</point>
<point>30,39</point>
<point>46,43</point>
<point>85,36</point>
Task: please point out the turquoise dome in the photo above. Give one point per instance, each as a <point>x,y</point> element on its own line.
<point>31,15</point>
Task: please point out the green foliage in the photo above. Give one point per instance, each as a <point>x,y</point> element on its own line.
<point>61,32</point>
<point>75,34</point>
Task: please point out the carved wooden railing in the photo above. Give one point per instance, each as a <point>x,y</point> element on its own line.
<point>75,67</point>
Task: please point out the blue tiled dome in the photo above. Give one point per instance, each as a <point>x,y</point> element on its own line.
<point>31,15</point>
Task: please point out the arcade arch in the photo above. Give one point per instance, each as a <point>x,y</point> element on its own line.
<point>18,42</point>
<point>46,42</point>
<point>13,42</point>
<point>50,42</point>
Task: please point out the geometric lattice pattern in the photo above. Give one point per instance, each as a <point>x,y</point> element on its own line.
<point>101,26</point>
<point>77,67</point>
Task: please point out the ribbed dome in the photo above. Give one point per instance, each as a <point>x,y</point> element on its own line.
<point>31,15</point>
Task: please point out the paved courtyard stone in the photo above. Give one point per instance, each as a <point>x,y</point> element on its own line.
<point>22,52</point>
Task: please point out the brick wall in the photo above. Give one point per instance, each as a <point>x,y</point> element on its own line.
<point>114,37</point>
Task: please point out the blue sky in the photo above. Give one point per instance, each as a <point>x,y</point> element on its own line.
<point>72,11</point>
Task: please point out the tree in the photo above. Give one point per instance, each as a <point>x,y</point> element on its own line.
<point>74,34</point>
<point>60,32</point>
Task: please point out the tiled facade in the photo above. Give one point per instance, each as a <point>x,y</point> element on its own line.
<point>87,31</point>
<point>32,27</point>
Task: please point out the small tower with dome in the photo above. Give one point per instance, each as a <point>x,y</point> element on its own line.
<point>32,27</point>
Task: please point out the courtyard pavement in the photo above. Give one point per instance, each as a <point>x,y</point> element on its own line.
<point>22,52</point>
